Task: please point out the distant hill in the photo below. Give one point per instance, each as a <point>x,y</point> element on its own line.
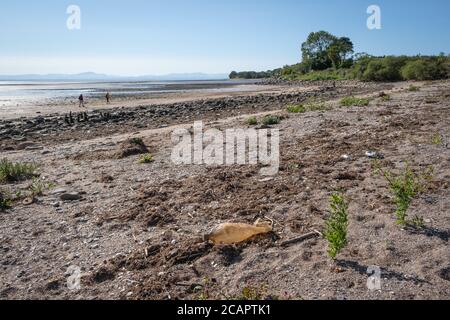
<point>92,76</point>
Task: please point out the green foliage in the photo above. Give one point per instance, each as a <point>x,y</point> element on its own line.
<point>146,158</point>
<point>426,68</point>
<point>12,172</point>
<point>353,101</point>
<point>322,50</point>
<point>38,187</point>
<point>327,57</point>
<point>336,225</point>
<point>436,139</point>
<point>413,88</point>
<point>386,98</point>
<point>405,186</point>
<point>271,120</point>
<point>252,121</point>
<point>296,108</point>
<point>5,200</point>
<point>251,74</point>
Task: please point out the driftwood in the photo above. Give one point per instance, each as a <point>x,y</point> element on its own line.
<point>304,237</point>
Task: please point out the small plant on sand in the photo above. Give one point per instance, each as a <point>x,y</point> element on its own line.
<point>252,121</point>
<point>38,187</point>
<point>12,172</point>
<point>436,139</point>
<point>386,98</point>
<point>146,158</point>
<point>271,120</point>
<point>413,88</point>
<point>336,225</point>
<point>5,200</point>
<point>405,186</point>
<point>296,108</point>
<point>353,101</point>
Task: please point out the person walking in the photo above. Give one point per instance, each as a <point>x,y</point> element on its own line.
<point>108,98</point>
<point>81,100</point>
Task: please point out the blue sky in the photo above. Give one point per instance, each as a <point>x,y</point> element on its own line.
<point>136,37</point>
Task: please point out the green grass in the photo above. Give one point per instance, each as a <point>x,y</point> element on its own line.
<point>413,88</point>
<point>336,225</point>
<point>436,139</point>
<point>354,101</point>
<point>296,108</point>
<point>38,187</point>
<point>405,186</point>
<point>146,158</point>
<point>271,120</point>
<point>12,172</point>
<point>5,200</point>
<point>252,121</point>
<point>386,98</point>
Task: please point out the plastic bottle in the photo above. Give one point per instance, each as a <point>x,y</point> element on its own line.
<point>230,233</point>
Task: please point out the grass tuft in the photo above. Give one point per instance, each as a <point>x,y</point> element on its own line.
<point>353,101</point>
<point>146,158</point>
<point>252,121</point>
<point>12,172</point>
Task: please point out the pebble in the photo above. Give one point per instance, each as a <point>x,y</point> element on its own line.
<point>72,196</point>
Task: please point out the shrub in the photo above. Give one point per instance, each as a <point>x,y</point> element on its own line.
<point>413,88</point>
<point>405,186</point>
<point>271,120</point>
<point>433,68</point>
<point>11,172</point>
<point>252,121</point>
<point>353,101</point>
<point>384,69</point>
<point>146,158</point>
<point>336,225</point>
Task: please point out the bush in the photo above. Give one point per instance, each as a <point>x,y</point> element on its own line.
<point>405,186</point>
<point>12,172</point>
<point>384,69</point>
<point>425,69</point>
<point>271,120</point>
<point>252,121</point>
<point>336,225</point>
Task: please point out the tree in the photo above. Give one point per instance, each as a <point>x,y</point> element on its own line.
<point>340,52</point>
<point>315,50</point>
<point>322,50</point>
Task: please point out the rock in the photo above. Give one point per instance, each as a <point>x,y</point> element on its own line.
<point>72,196</point>
<point>58,191</point>
<point>374,155</point>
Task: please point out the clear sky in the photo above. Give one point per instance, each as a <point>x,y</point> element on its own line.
<point>136,37</point>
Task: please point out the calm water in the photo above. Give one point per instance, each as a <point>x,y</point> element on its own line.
<point>23,93</point>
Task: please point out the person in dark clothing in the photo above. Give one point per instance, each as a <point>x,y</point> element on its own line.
<point>108,98</point>
<point>81,99</point>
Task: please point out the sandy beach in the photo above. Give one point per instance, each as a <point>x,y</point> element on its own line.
<point>135,230</point>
